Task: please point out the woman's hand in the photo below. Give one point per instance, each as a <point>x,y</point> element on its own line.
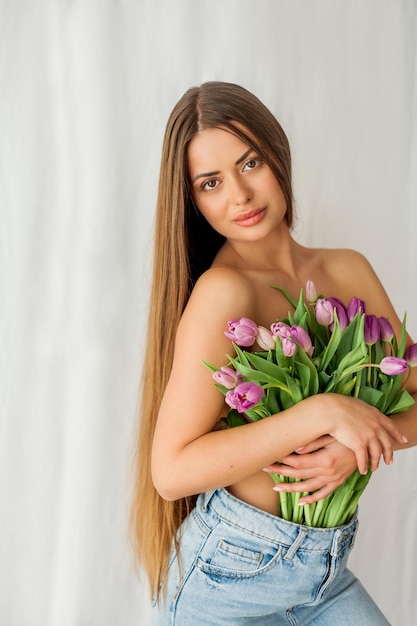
<point>363,429</point>
<point>355,424</point>
<point>322,466</point>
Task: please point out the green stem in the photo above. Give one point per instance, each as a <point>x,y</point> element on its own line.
<point>319,511</point>
<point>296,510</point>
<point>404,383</point>
<point>352,370</point>
<point>308,511</point>
<point>283,499</point>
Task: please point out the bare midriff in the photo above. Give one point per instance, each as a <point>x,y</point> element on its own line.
<point>257,491</point>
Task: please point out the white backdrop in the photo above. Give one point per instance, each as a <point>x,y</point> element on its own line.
<point>85,91</point>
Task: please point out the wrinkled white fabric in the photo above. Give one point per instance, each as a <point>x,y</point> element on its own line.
<point>86,88</point>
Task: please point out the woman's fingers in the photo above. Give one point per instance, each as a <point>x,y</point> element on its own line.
<point>382,443</point>
<point>320,494</point>
<point>374,455</point>
<point>294,468</point>
<point>317,444</point>
<point>392,429</point>
<point>362,460</point>
<point>308,485</point>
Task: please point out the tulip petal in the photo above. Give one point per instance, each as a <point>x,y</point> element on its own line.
<point>244,397</point>
<point>411,355</point>
<point>393,366</point>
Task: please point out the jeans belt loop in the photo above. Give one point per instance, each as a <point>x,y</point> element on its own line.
<point>296,544</point>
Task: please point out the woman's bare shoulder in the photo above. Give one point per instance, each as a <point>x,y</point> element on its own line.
<point>226,283</point>
<point>344,257</point>
<point>348,265</point>
<point>351,271</point>
<point>220,294</point>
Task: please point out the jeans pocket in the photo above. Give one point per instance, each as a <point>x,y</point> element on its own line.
<point>234,557</point>
<point>233,561</point>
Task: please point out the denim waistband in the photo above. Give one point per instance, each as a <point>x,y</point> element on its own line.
<point>220,505</point>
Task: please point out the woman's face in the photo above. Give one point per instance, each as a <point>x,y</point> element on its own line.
<point>233,187</point>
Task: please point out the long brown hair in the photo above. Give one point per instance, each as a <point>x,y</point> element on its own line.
<point>185,247</point>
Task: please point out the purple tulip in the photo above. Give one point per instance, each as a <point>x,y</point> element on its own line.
<point>311,292</point>
<point>324,312</point>
<point>385,328</point>
<point>243,331</point>
<point>281,330</point>
<point>371,330</point>
<point>227,377</point>
<point>411,355</point>
<point>355,306</point>
<point>300,336</point>
<point>393,366</point>
<point>288,346</point>
<point>340,311</point>
<point>265,339</point>
<point>244,397</point>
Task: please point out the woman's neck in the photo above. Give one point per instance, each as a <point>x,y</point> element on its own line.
<point>278,253</point>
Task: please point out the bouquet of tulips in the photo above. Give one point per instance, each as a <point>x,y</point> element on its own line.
<point>323,346</point>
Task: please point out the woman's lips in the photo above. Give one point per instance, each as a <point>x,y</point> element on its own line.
<point>250,218</point>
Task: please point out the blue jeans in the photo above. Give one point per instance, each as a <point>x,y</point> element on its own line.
<point>240,565</point>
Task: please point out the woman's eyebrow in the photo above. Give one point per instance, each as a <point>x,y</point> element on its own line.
<point>204,174</point>
<point>238,162</point>
<point>243,157</point>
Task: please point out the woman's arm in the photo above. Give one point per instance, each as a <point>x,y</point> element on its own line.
<point>188,457</point>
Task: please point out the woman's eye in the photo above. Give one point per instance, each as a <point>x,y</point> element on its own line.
<point>209,184</point>
<point>252,163</point>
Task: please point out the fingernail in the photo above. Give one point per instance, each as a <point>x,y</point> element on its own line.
<point>404,438</point>
<point>277,488</point>
<point>300,449</point>
<point>266,469</point>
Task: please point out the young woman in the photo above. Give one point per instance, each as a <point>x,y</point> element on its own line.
<point>205,514</point>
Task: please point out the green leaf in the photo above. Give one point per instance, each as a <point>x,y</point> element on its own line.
<point>403,338</point>
<point>287,295</point>
<point>251,375</point>
<point>304,359</point>
<point>274,371</point>
<point>233,419</point>
<point>359,334</point>
<point>304,375</point>
<point>391,389</point>
<point>346,344</point>
<point>286,399</point>
<point>372,396</point>
<point>300,310</point>
<point>272,400</point>
<point>257,413</point>
<point>402,403</point>
<point>352,361</point>
<point>279,355</point>
<point>378,353</point>
<point>240,354</point>
<point>212,368</point>
<point>316,330</point>
<point>345,387</point>
<point>295,391</point>
<point>324,380</point>
<point>332,346</point>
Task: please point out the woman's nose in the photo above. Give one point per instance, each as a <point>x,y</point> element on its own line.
<point>240,191</point>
